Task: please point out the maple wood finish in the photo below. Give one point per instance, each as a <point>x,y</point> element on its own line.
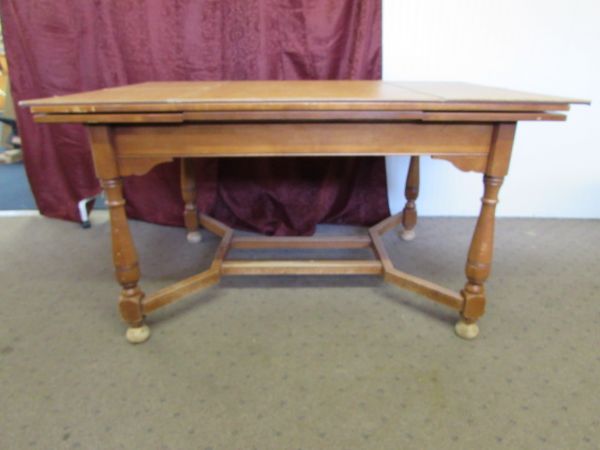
<point>134,128</point>
<point>188,192</point>
<point>409,214</point>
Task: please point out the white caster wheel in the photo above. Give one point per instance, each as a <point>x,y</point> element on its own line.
<point>466,330</point>
<point>138,335</point>
<point>194,237</point>
<point>407,235</point>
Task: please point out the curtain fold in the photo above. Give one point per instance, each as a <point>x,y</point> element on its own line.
<point>57,47</point>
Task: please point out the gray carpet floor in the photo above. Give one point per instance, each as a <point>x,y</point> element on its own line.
<point>300,362</point>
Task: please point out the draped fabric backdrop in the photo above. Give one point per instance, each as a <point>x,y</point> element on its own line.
<point>58,47</point>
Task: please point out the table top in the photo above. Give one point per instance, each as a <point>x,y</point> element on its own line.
<point>190,96</point>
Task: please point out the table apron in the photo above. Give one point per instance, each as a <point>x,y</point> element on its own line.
<point>300,139</point>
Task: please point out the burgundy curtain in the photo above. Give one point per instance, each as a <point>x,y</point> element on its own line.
<point>57,47</point>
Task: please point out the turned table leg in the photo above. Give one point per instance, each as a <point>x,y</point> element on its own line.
<point>479,260</point>
<point>409,214</point>
<point>125,258</point>
<point>189,194</point>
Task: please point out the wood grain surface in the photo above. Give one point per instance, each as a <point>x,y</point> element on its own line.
<point>174,96</point>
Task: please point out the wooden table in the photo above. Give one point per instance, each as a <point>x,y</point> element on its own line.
<point>134,128</point>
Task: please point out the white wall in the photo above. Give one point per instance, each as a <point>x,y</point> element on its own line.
<point>546,46</point>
